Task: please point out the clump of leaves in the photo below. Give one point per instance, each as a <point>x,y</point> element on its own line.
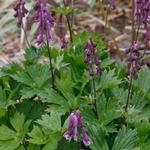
<point>34,115</point>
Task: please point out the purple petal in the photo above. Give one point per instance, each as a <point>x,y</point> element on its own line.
<point>86,140</point>
<point>80,124</point>
<point>68,134</point>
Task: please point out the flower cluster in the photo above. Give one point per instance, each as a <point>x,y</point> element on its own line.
<point>20,12</point>
<point>45,20</point>
<point>134,63</point>
<point>92,59</point>
<point>142,13</point>
<point>76,123</point>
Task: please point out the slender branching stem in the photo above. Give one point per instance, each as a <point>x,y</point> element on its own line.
<point>129,94</point>
<point>133,40</point>
<point>50,61</point>
<point>70,29</point>
<point>94,90</point>
<point>94,93</point>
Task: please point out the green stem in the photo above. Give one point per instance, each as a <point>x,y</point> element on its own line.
<point>50,63</point>
<point>94,94</point>
<point>70,29</point>
<point>133,40</point>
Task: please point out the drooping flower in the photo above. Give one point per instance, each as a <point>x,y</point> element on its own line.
<point>91,59</point>
<point>134,61</point>
<point>72,131</point>
<point>20,12</point>
<point>113,4</point>
<point>75,123</point>
<point>64,43</point>
<point>85,138</point>
<point>45,22</point>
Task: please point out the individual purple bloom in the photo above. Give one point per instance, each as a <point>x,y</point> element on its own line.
<point>91,58</point>
<point>64,43</point>
<point>85,138</point>
<point>134,62</point>
<point>20,11</point>
<point>45,22</point>
<point>72,131</point>
<point>113,4</point>
<point>75,123</point>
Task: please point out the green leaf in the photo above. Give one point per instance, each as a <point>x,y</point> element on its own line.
<point>7,98</point>
<point>138,110</point>
<point>32,55</point>
<point>51,96</point>
<point>65,85</point>
<point>65,145</point>
<point>34,147</point>
<point>6,133</point>
<point>52,142</point>
<point>145,146</point>
<point>52,122</point>
<point>108,80</point>
<point>3,98</point>
<point>37,136</point>
<point>17,121</point>
<point>10,139</point>
<point>125,139</point>
<point>121,95</point>
<point>31,109</point>
<point>143,80</point>
<point>107,110</point>
<point>98,140</point>
<point>34,76</point>
<point>143,130</point>
<point>63,10</point>
<point>21,148</point>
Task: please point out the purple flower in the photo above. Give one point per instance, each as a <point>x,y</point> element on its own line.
<point>91,59</point>
<point>75,123</point>
<point>134,62</point>
<point>86,140</point>
<point>20,11</point>
<point>72,131</point>
<point>45,21</point>
<point>113,4</point>
<point>64,43</point>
